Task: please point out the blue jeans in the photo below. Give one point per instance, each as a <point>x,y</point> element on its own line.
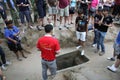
<point>95,36</point>
<point>2,54</point>
<point>26,14</point>
<point>100,41</point>
<point>51,65</point>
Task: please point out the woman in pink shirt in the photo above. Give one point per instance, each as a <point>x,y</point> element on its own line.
<point>94,3</point>
<point>93,6</point>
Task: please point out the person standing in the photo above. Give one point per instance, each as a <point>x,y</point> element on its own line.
<point>72,10</point>
<point>24,11</point>
<point>41,8</point>
<point>81,30</point>
<point>49,47</point>
<point>105,23</point>
<point>64,12</point>
<point>116,10</point>
<point>2,11</point>
<point>52,9</point>
<point>97,19</point>
<point>11,33</point>
<point>117,49</point>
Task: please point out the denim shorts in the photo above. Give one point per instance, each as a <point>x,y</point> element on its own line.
<point>116,48</point>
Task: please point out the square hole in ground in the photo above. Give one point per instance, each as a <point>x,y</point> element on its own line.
<point>70,60</point>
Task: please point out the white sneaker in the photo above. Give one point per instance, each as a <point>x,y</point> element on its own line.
<point>93,45</point>
<point>82,52</point>
<point>112,68</point>
<point>8,63</point>
<point>3,67</point>
<point>31,27</point>
<point>60,27</point>
<point>78,47</point>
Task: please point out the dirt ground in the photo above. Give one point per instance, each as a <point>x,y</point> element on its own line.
<point>94,69</point>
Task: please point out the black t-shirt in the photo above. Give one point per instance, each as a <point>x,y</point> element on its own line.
<point>97,18</point>
<point>107,20</point>
<point>81,24</point>
<point>22,8</point>
<point>85,4</point>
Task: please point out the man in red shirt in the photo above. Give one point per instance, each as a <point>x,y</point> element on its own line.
<point>49,47</point>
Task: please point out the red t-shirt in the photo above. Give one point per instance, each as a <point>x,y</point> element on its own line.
<point>117,2</point>
<point>63,3</point>
<point>48,46</point>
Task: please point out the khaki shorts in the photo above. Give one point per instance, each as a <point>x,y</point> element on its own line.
<point>52,10</point>
<point>65,11</point>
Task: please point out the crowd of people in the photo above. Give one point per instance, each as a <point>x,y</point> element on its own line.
<point>96,15</point>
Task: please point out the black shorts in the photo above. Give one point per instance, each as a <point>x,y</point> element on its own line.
<point>92,12</point>
<point>41,11</point>
<point>116,10</point>
<point>15,47</point>
<point>118,57</point>
<point>72,10</point>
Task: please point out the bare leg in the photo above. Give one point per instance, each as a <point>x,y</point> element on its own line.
<point>83,45</point>
<point>61,20</point>
<point>17,55</point>
<point>71,18</point>
<point>66,19</point>
<point>42,20</point>
<point>117,63</point>
<point>23,54</point>
<point>55,20</point>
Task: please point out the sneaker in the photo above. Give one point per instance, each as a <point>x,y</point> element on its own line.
<point>3,67</point>
<point>97,51</point>
<point>112,68</point>
<point>24,57</point>
<point>66,26</point>
<point>8,63</point>
<point>60,27</point>
<point>93,45</point>
<point>19,59</point>
<point>111,59</point>
<point>31,27</point>
<point>82,52</point>
<point>78,47</point>
<point>38,28</point>
<point>101,53</point>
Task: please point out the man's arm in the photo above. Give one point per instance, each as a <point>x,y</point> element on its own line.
<point>12,40</point>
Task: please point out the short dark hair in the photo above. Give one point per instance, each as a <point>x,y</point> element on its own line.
<point>8,22</point>
<point>48,28</point>
<point>100,9</point>
<point>106,9</point>
<point>80,11</point>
